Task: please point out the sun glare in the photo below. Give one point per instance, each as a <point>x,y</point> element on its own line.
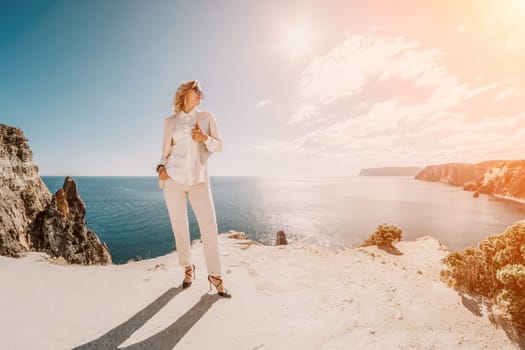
<point>297,40</point>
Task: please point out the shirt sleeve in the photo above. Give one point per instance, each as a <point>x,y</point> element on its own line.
<point>162,161</point>
<point>214,141</point>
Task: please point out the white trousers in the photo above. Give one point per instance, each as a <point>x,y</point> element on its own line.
<point>201,201</point>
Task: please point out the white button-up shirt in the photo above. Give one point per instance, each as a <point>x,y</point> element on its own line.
<point>178,146</point>
<point>181,162</point>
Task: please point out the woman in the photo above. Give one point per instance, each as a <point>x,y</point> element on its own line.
<point>190,137</point>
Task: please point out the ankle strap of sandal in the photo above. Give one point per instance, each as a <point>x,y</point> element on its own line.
<point>216,278</point>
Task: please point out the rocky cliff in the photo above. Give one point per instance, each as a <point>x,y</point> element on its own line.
<point>23,192</point>
<point>31,218</point>
<point>499,177</point>
<point>60,229</point>
<point>390,171</point>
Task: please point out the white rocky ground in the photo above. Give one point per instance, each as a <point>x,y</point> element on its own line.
<point>284,297</point>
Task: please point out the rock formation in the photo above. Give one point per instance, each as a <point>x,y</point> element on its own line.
<point>32,219</point>
<point>499,177</point>
<point>280,238</point>
<point>23,192</point>
<point>237,235</point>
<point>391,171</point>
<point>60,229</point>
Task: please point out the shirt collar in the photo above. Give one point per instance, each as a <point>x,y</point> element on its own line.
<point>190,113</point>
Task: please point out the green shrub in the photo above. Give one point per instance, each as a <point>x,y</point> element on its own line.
<point>495,270</point>
<point>512,296</point>
<point>384,237</point>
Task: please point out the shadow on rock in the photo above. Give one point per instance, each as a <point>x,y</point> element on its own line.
<point>474,304</point>
<point>390,250</point>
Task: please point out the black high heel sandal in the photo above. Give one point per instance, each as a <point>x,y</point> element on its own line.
<point>223,294</point>
<point>188,272</point>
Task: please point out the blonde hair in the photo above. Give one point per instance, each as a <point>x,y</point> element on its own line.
<point>179,98</point>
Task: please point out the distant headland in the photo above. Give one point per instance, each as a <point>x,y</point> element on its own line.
<point>391,171</point>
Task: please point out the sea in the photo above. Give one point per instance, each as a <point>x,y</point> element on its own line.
<point>129,213</point>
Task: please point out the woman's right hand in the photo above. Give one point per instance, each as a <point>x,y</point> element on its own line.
<point>163,175</point>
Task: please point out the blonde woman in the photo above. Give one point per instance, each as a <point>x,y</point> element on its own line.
<point>190,137</point>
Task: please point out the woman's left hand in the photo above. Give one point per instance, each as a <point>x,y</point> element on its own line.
<point>197,134</point>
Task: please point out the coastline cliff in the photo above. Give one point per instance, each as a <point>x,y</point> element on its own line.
<point>498,177</point>
<point>31,219</point>
<point>391,171</point>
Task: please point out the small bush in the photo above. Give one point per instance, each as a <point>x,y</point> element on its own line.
<point>384,237</point>
<point>494,270</point>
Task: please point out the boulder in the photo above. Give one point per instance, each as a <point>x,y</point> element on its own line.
<point>281,238</point>
<point>237,235</point>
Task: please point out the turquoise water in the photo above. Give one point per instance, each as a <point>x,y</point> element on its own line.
<point>130,215</point>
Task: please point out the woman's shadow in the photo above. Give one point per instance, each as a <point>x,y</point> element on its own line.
<point>165,339</point>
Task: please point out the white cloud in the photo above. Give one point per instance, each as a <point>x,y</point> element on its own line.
<point>513,44</point>
<point>508,92</point>
<point>344,71</point>
<point>414,111</point>
<point>263,103</point>
<point>304,111</point>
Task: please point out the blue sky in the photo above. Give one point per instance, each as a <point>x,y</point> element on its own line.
<point>299,88</point>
